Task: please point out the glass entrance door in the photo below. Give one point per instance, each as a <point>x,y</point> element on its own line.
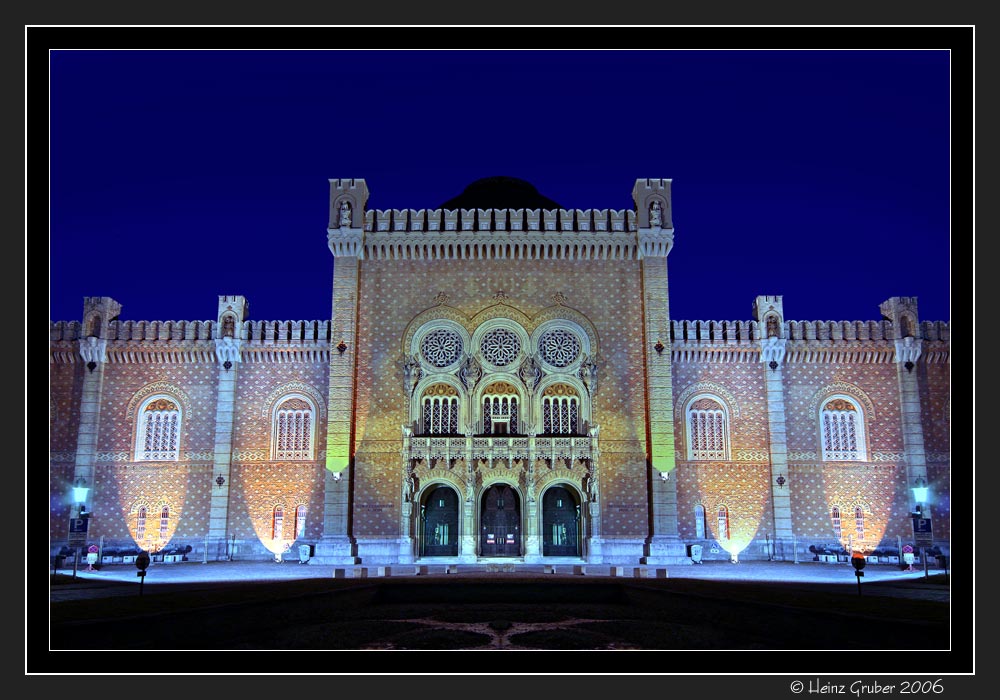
<point>439,534</point>
<point>500,521</point>
<point>560,524</point>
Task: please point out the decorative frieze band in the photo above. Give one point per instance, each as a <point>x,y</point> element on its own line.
<point>126,456</point>
<point>264,455</point>
<point>152,353</point>
<point>751,456</point>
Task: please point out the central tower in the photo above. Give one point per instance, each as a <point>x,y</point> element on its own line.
<point>500,383</point>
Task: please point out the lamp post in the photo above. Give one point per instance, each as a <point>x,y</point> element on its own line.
<point>920,499</point>
<point>80,513</point>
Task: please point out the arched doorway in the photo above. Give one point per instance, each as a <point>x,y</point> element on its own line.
<point>439,516</point>
<point>560,523</point>
<point>500,522</point>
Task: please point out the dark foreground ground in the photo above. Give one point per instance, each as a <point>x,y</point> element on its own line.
<point>808,607</point>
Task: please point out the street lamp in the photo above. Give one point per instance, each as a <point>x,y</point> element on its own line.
<point>920,496</point>
<point>920,493</point>
<point>79,498</point>
<point>80,490</point>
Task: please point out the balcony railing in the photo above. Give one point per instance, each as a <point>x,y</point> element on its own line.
<point>501,447</point>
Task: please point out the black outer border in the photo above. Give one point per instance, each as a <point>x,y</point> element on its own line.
<point>959,40</point>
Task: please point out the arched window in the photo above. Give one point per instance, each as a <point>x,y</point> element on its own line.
<point>723,523</point>
<point>500,409</point>
<point>140,524</point>
<point>158,430</point>
<point>293,429</point>
<point>300,522</point>
<point>699,521</point>
<point>843,430</point>
<point>164,523</point>
<point>708,430</point>
<point>440,410</point>
<point>277,523</point>
<point>560,410</point>
<point>859,524</point>
<point>835,517</point>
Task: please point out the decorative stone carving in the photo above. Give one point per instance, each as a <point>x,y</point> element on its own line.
<point>411,373</point>
<point>559,347</point>
<point>227,350</point>
<point>530,373</point>
<point>94,350</point>
<point>345,214</point>
<point>772,349</point>
<point>470,373</point>
<point>655,218</point>
<point>409,484</point>
<point>441,347</point>
<point>908,350</point>
<point>588,374</point>
<point>592,484</point>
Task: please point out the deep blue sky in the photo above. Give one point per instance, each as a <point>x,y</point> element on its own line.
<point>177,176</point>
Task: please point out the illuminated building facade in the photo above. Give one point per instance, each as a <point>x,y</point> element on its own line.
<point>501,380</point>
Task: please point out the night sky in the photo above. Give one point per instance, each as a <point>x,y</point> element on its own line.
<point>177,176</point>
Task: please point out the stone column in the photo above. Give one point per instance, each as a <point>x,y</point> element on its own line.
<point>470,529</point>
<point>532,539</point>
<point>409,510</point>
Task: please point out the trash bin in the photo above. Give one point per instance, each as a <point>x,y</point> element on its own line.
<point>696,553</point>
<point>942,561</point>
<point>58,561</point>
<point>304,550</point>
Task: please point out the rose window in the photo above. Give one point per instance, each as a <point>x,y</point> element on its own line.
<point>441,348</point>
<point>500,347</point>
<point>559,347</point>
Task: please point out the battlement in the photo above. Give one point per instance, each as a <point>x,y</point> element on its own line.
<point>748,332</point>
<point>493,220</point>
<point>252,332</point>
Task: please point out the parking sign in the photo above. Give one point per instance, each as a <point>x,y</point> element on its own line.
<point>923,533</point>
<point>78,531</point>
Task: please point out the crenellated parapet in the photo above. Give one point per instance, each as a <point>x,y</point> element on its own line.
<point>522,234</point>
<point>804,341</point>
<point>195,341</point>
<point>499,220</point>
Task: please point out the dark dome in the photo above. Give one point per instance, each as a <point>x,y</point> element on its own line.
<point>500,193</point>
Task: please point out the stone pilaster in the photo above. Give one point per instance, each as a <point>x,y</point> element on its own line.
<point>93,351</point>
<point>218,518</point>
<point>781,485</point>
<point>902,312</point>
<point>98,312</point>
<point>655,240</point>
<point>769,314</point>
<point>345,236</point>
<point>907,353</point>
<point>228,335</point>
